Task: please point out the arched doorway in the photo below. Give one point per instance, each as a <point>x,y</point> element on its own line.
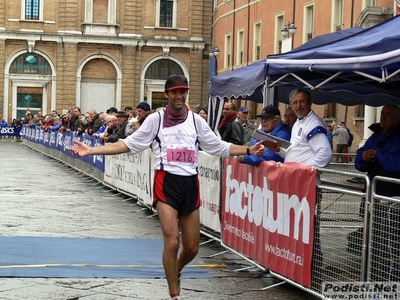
<point>98,84</point>
<point>32,78</point>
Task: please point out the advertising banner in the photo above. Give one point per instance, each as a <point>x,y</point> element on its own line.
<point>10,131</point>
<point>210,190</point>
<point>268,215</point>
<point>131,173</point>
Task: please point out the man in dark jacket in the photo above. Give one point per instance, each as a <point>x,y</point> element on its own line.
<point>120,132</point>
<point>230,129</point>
<point>380,156</point>
<point>94,124</point>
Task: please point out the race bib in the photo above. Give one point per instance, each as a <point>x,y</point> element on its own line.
<point>181,154</point>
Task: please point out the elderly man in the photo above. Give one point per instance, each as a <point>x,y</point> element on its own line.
<point>380,156</point>
<point>122,118</point>
<point>310,146</point>
<point>248,127</point>
<point>271,123</point>
<point>289,117</point>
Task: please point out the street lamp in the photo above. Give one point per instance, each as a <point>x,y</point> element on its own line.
<point>289,30</point>
<point>214,52</point>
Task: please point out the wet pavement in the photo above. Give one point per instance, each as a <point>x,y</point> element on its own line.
<point>40,196</point>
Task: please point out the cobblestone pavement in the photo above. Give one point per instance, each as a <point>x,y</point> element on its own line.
<point>41,197</point>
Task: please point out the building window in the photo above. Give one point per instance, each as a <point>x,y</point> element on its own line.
<point>369,3</point>
<point>228,46</point>
<point>100,17</point>
<point>359,111</point>
<point>278,33</point>
<point>240,47</point>
<point>257,42</point>
<point>330,111</point>
<point>309,23</point>
<point>337,15</point>
<point>32,9</point>
<point>163,68</point>
<point>166,13</point>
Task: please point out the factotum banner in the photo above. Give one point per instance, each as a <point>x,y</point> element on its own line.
<point>268,215</point>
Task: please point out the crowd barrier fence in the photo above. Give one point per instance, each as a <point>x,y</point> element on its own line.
<point>267,213</point>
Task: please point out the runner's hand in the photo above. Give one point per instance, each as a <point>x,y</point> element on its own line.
<point>80,149</point>
<point>258,149</point>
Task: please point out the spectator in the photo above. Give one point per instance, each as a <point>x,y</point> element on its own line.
<point>112,111</point>
<point>248,127</point>
<point>34,121</point>
<point>64,122</point>
<point>143,109</point>
<point>122,118</point>
<point>40,118</point>
<point>132,126</point>
<point>271,122</point>
<point>380,156</point>
<point>112,123</point>
<point>28,118</point>
<point>48,122</point>
<point>3,123</point>
<point>102,118</point>
<point>203,113</point>
<point>129,111</point>
<point>81,124</point>
<point>310,146</point>
<point>56,125</point>
<point>341,142</point>
<point>289,117</point>
<point>176,192</point>
<point>329,134</point>
<point>94,124</point>
<point>230,129</point>
<point>74,114</point>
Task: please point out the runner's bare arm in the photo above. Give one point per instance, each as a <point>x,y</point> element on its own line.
<point>81,149</point>
<point>257,149</point>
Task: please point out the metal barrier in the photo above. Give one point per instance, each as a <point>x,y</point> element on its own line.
<point>357,231</point>
<point>338,257</point>
<point>384,235</point>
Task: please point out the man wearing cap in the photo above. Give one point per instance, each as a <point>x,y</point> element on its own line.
<point>230,129</point>
<point>248,127</point>
<point>143,109</point>
<point>120,132</point>
<point>271,123</point>
<point>112,111</point>
<point>174,134</point>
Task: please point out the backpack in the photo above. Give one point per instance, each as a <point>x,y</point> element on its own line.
<point>351,138</point>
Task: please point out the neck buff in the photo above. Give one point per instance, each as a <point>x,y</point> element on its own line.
<point>228,120</point>
<point>171,118</point>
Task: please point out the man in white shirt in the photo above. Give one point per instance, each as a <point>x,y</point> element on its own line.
<point>310,146</point>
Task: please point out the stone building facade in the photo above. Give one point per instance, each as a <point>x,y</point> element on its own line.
<point>95,54</point>
<point>246,31</point>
